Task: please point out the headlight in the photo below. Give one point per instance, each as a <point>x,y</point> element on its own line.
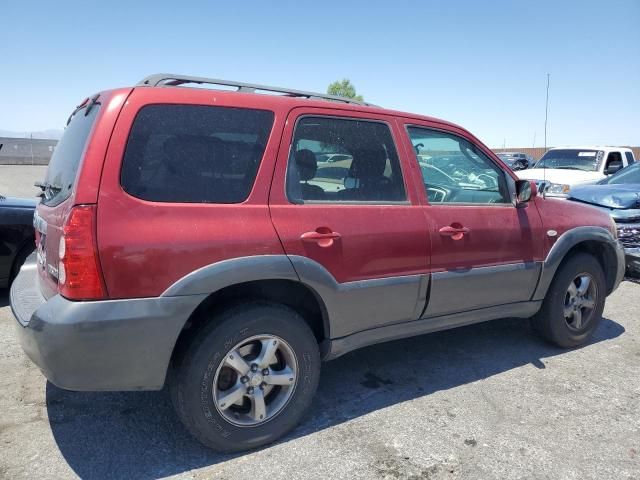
<point>557,189</point>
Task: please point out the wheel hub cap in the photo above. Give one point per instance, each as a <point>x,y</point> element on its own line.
<point>255,380</point>
<point>580,301</point>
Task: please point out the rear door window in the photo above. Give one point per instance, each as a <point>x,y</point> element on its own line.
<point>194,153</point>
<point>630,158</point>
<point>66,157</point>
<point>343,160</point>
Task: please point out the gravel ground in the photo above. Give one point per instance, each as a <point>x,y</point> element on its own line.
<point>17,180</point>
<point>485,401</point>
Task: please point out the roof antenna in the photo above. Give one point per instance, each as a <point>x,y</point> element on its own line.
<point>546,116</point>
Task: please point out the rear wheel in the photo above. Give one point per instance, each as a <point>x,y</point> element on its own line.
<point>248,377</point>
<point>572,309</point>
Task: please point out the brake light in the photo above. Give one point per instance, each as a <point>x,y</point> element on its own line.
<point>79,273</point>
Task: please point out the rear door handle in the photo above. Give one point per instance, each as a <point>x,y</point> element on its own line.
<point>323,236</point>
<point>456,233</point>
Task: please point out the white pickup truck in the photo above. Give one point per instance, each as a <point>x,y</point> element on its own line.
<point>563,167</point>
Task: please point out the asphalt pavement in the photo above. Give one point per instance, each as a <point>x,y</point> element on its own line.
<point>485,401</point>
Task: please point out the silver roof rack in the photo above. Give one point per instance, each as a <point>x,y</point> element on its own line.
<point>173,80</point>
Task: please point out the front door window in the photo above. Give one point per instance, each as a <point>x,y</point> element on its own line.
<point>455,171</point>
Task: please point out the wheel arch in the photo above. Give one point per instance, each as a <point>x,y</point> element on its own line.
<point>269,278</point>
<point>596,241</point>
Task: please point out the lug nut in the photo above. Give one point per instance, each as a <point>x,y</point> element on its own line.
<point>244,379</point>
<point>262,385</point>
<point>265,372</point>
<point>254,367</point>
<point>250,390</point>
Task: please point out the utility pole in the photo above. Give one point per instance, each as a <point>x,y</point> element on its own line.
<point>546,114</point>
<point>31,143</point>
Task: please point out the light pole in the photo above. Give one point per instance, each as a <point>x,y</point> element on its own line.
<point>546,114</point>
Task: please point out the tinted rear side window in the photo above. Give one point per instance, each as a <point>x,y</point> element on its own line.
<point>359,162</point>
<point>194,153</point>
<point>66,157</point>
<point>630,158</point>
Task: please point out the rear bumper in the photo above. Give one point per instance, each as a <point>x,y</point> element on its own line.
<point>98,345</point>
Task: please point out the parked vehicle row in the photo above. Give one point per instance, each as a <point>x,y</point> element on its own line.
<point>191,236</point>
<point>516,160</point>
<point>561,168</point>
<point>619,196</point>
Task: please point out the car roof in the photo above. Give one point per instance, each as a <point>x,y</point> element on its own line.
<point>591,147</point>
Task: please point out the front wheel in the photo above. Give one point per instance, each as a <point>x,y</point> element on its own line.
<point>248,377</point>
<point>572,308</point>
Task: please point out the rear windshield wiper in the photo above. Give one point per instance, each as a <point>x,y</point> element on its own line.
<point>47,187</point>
<point>88,103</point>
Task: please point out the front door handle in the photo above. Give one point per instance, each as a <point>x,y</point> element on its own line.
<point>323,236</point>
<point>454,231</point>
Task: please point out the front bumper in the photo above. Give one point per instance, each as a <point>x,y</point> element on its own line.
<point>620,267</point>
<point>629,236</point>
<point>98,345</point>
<point>632,257</point>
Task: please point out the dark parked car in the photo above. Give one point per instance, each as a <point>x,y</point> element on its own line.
<point>619,195</point>
<point>516,161</point>
<point>16,235</point>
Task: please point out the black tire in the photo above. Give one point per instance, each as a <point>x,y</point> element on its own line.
<point>550,321</point>
<point>193,375</point>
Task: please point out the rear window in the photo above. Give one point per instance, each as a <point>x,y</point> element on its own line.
<point>66,157</point>
<point>194,153</point>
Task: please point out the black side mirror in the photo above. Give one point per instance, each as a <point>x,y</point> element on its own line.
<point>613,167</point>
<point>525,190</point>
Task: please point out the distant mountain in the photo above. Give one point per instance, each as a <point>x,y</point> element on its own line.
<point>51,134</point>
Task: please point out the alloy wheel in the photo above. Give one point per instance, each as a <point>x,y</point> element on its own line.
<point>580,301</point>
<point>255,381</point>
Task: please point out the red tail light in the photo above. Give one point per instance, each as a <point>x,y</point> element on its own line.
<point>79,273</point>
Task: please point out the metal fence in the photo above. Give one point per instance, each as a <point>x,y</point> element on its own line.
<point>26,151</point>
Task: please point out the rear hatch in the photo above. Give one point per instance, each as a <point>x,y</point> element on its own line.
<point>59,191</point>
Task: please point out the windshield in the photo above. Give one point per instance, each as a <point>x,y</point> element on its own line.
<point>65,160</point>
<point>571,159</point>
<point>626,176</point>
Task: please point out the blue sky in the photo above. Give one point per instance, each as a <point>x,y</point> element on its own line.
<point>480,64</point>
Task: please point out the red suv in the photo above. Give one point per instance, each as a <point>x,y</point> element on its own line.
<point>196,237</point>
